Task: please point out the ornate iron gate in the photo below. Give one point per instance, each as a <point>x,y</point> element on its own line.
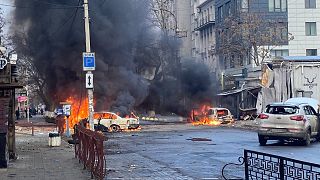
<point>260,165</point>
<point>263,166</point>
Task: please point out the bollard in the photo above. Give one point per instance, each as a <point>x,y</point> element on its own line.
<point>32,129</point>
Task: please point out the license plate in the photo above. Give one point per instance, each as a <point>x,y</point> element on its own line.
<point>277,130</point>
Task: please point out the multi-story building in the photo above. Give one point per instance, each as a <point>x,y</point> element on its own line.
<point>203,32</point>
<point>176,22</point>
<point>303,24</point>
<point>246,31</point>
<point>182,9</point>
<point>296,21</point>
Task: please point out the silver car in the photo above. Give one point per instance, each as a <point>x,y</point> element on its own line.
<point>288,121</point>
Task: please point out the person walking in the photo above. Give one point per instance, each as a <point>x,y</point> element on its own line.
<point>18,114</point>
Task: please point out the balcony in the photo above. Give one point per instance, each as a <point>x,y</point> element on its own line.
<point>205,22</point>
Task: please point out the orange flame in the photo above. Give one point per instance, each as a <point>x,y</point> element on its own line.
<point>79,110</point>
<point>200,117</point>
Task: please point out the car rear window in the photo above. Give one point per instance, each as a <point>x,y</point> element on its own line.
<point>281,110</point>
<point>222,112</point>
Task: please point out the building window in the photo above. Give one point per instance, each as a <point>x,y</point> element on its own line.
<point>311,52</point>
<point>220,14</point>
<point>227,9</point>
<point>241,60</point>
<point>311,29</point>
<point>277,5</point>
<point>310,4</point>
<point>284,33</point>
<point>279,53</point>
<point>232,61</point>
<point>244,5</point>
<point>225,62</point>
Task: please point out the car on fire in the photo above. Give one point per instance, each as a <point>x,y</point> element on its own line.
<point>109,121</point>
<point>221,114</point>
<point>288,121</point>
<point>209,115</point>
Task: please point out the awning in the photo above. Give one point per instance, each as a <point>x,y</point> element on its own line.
<point>235,91</point>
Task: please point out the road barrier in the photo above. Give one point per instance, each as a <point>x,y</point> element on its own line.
<point>258,165</point>
<point>89,150</point>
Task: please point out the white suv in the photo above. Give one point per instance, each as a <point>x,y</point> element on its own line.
<point>288,121</point>
<point>221,114</point>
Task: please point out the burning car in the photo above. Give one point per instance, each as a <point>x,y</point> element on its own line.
<point>109,121</point>
<point>207,115</point>
<point>221,114</point>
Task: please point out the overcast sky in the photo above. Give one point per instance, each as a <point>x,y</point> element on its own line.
<point>7,11</point>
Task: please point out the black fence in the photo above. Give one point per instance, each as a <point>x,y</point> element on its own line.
<point>263,166</point>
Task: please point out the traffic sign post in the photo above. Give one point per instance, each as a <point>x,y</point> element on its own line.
<point>3,63</point>
<point>88,61</point>
<point>89,80</point>
<point>67,112</point>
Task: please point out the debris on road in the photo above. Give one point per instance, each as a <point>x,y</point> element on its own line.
<point>199,139</point>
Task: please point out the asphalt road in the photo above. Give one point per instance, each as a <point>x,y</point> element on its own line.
<point>183,151</point>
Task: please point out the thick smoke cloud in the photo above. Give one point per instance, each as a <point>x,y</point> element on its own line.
<point>124,42</point>
<point>54,37</point>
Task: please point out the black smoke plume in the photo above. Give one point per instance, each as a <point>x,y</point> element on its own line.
<point>53,32</point>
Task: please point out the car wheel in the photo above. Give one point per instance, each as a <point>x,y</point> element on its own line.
<point>318,137</point>
<point>114,128</point>
<point>262,141</point>
<point>307,139</point>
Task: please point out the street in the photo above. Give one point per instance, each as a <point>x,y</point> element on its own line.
<point>184,151</point>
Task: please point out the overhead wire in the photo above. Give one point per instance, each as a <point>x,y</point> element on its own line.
<point>67,20</point>
<point>31,7</point>
<point>74,17</point>
<point>54,4</point>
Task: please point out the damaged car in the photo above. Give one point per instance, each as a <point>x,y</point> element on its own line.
<point>221,114</point>
<point>111,122</point>
<point>291,121</point>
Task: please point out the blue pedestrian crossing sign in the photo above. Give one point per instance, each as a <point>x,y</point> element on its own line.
<point>88,61</point>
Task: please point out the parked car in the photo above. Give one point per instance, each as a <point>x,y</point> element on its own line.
<point>108,121</point>
<point>221,114</point>
<point>312,102</point>
<point>288,121</point>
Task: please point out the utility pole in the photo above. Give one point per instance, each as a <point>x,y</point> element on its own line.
<point>28,115</point>
<point>88,50</point>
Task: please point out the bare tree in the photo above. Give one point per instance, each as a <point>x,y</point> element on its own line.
<point>2,24</point>
<point>251,35</point>
<point>163,17</point>
<point>29,74</point>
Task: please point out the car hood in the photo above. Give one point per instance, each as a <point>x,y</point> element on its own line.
<point>131,119</point>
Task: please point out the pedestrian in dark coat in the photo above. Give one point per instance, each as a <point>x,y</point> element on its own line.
<point>17,114</point>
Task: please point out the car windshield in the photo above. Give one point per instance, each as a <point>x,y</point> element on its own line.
<point>222,112</point>
<point>282,109</point>
<point>104,116</point>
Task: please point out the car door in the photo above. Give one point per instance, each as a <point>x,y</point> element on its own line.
<point>313,120</point>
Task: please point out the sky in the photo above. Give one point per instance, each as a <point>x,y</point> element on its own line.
<point>7,11</point>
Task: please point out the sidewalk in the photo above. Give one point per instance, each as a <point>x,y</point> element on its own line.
<point>37,161</point>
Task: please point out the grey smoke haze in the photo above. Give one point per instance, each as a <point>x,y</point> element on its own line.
<point>55,40</point>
